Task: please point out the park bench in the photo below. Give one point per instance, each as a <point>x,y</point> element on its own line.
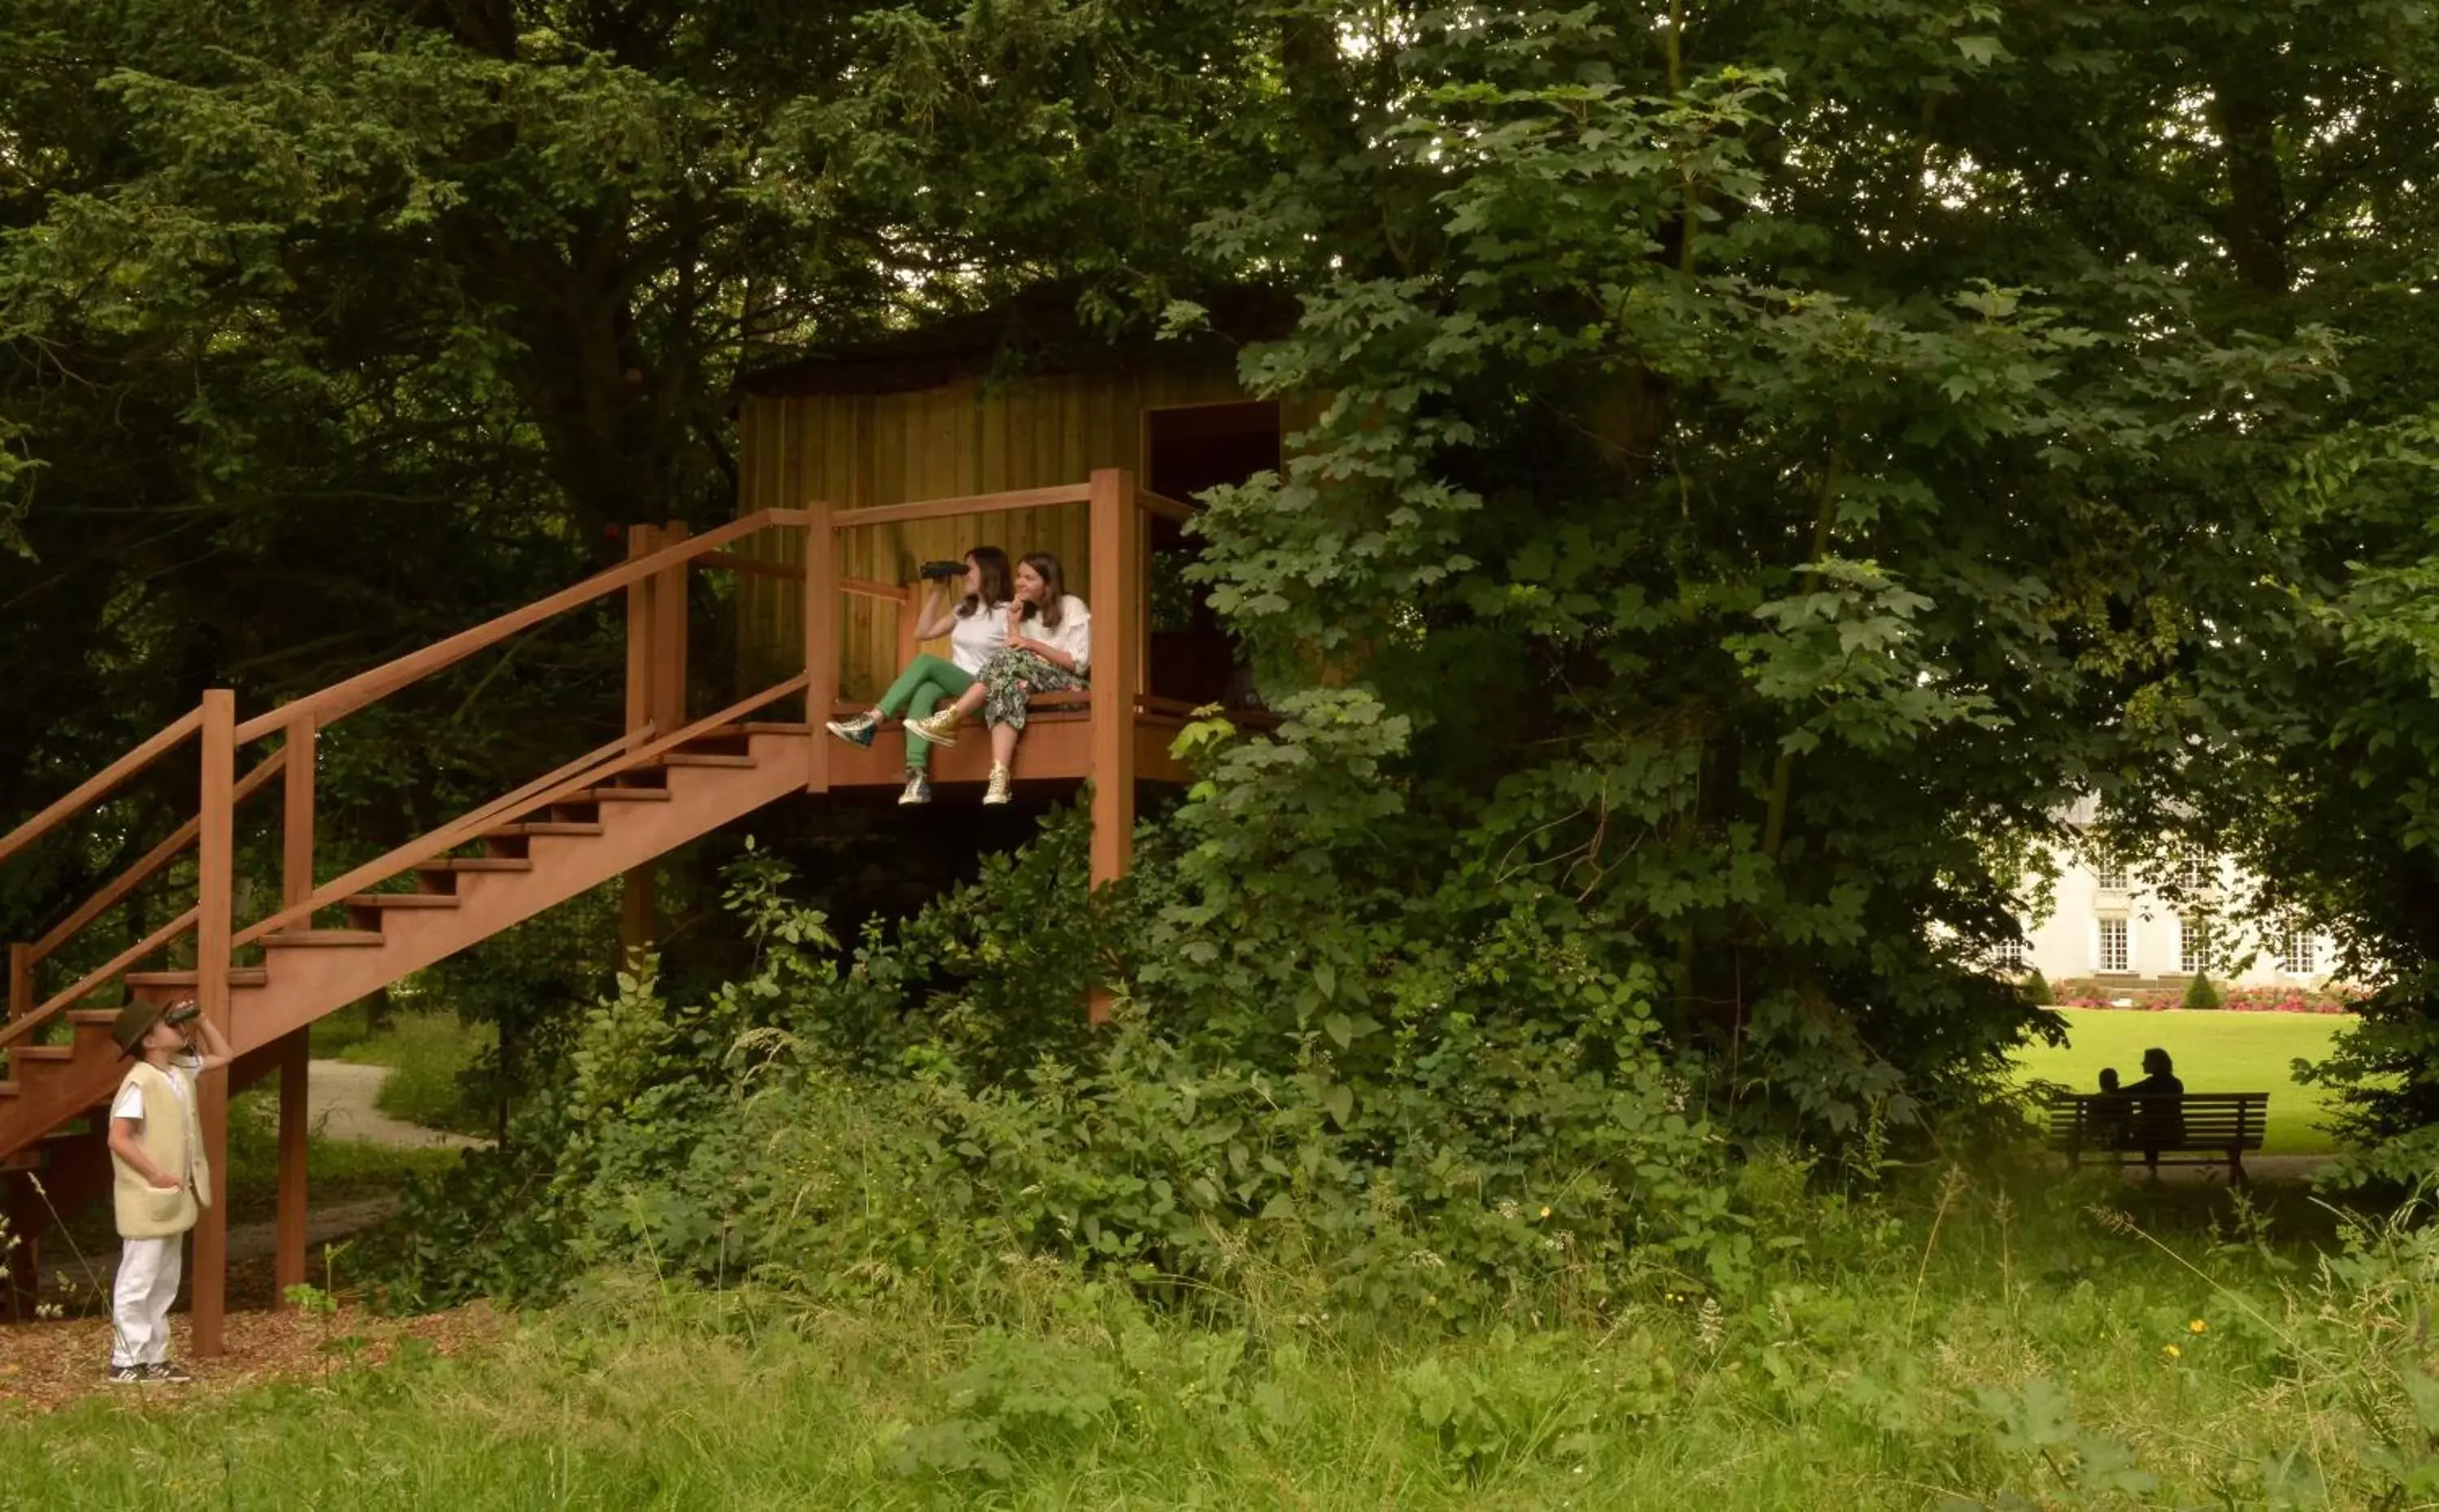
<point>2199,1129</point>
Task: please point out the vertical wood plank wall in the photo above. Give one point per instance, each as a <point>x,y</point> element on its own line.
<point>861,451</point>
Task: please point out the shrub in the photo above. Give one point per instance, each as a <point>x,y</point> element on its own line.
<point>1511,1127</point>
<point>1488,1115</point>
<point>2036,989</point>
<point>2199,994</point>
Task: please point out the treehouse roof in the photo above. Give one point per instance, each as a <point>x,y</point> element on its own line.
<point>1038,332</point>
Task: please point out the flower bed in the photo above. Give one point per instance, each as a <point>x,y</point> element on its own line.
<point>2085,992</point>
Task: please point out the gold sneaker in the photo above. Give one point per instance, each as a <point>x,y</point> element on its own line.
<point>940,729</point>
<point>996,791</point>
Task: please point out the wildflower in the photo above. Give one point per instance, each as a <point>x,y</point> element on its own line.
<point>2172,1351</point>
<point>1546,1212</point>
<point>2197,1327</point>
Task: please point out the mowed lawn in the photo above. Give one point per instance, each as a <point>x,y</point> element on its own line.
<point>2213,1051</point>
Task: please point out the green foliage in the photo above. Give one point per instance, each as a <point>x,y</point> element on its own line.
<point>1734,526</point>
<point>2036,989</point>
<point>1505,1126</point>
<point>2199,994</point>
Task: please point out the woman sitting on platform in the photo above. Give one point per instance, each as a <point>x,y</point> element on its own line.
<point>976,627</point>
<point>1049,649</point>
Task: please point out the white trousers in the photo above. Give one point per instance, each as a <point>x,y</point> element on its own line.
<point>139,1300</point>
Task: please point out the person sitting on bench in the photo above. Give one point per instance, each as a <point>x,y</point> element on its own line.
<point>2108,1112</point>
<point>2159,1107</point>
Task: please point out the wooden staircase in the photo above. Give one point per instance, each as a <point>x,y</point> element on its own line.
<point>605,814</point>
<point>509,873</point>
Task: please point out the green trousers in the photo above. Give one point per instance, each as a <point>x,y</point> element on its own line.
<point>927,682</point>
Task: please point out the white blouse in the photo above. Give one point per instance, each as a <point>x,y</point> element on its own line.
<point>1074,634</point>
<point>973,637</point>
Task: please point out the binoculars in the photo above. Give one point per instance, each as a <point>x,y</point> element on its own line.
<point>940,570</point>
<point>183,1013</point>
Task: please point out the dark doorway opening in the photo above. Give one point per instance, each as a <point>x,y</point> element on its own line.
<point>1205,446</point>
<point>1188,451</point>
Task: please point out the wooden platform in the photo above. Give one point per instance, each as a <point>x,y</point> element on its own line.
<point>607,814</point>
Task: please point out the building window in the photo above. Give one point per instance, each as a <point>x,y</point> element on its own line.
<point>2301,956</point>
<point>2108,876</point>
<point>2011,955</point>
<point>2113,956</point>
<point>2198,872</point>
<point>2193,945</point>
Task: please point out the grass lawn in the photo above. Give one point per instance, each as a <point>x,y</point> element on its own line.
<point>1975,1346</point>
<point>2215,1052</point>
<point>429,1054</point>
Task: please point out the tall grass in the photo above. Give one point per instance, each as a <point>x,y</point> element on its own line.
<point>2046,1344</point>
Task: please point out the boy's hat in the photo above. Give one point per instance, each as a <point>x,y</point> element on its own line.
<point>134,1022</point>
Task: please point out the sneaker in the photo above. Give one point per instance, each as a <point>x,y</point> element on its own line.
<point>997,791</point>
<point>168,1372</point>
<point>128,1376</point>
<point>857,731</point>
<point>940,729</point>
<point>918,790</point>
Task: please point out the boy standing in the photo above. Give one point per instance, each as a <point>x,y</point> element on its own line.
<point>164,1181</point>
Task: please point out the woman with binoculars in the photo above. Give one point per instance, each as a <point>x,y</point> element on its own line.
<point>976,626</point>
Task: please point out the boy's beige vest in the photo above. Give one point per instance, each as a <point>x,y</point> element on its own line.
<point>174,1141</point>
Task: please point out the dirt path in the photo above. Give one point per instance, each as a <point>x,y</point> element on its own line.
<point>339,1103</point>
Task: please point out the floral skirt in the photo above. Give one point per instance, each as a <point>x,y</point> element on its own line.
<point>1009,678</point>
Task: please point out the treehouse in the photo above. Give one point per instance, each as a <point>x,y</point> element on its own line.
<point>1013,428</point>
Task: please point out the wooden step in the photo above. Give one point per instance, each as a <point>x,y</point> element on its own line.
<point>477,863</point>
<point>372,910</point>
<point>105,1017</point>
<point>704,759</point>
<point>773,727</point>
<point>238,976</point>
<point>7,1089</point>
<point>42,1052</point>
<point>543,826</point>
<point>311,938</point>
<point>620,795</point>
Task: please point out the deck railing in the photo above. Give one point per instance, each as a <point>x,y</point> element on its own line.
<point>654,579</point>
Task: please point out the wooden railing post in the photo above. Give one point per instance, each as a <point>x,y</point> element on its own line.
<point>670,636</point>
<point>820,637</point>
<point>214,853</point>
<point>1116,545</point>
<point>295,886</point>
<point>21,980</point>
<point>638,922</point>
<point>910,609</point>
<point>1140,524</point>
<point>642,540</point>
<point>288,1225</point>
<point>296,816</point>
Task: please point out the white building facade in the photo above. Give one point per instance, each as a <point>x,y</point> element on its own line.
<point>2165,920</point>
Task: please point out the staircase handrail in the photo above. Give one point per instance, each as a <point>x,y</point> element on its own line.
<point>104,783</point>
<point>149,865</point>
<point>344,697</point>
<point>310,713</point>
<point>25,1024</point>
<point>590,769</point>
